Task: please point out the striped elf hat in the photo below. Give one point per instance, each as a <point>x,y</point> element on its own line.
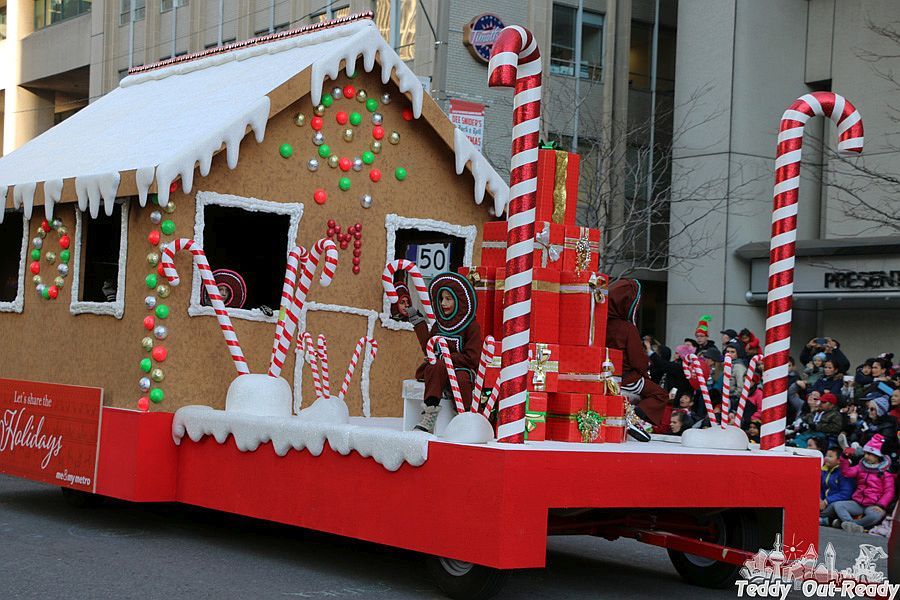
<point>703,325</point>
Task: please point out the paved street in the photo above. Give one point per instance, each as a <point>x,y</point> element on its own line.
<point>121,550</point>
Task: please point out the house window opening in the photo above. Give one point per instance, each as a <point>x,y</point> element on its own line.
<point>11,231</point>
<point>101,243</point>
<point>433,252</point>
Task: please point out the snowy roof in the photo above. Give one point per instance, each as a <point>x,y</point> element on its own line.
<point>161,122</point>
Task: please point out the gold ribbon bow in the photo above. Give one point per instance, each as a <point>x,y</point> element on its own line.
<point>548,250</point>
<point>532,419</point>
<point>559,186</point>
<point>539,364</point>
<point>474,277</point>
<point>607,375</point>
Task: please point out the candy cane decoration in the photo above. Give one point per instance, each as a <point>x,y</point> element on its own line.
<point>487,356</point>
<point>212,290</point>
<point>360,345</point>
<point>704,390</point>
<point>288,316</point>
<point>516,62</point>
<point>448,364</point>
<point>387,281</point>
<point>779,301</point>
<point>323,364</point>
<point>329,248</point>
<point>726,388</point>
<point>749,377</point>
<point>308,347</point>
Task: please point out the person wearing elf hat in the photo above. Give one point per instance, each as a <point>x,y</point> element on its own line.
<point>454,302</point>
<point>701,334</point>
<point>874,488</point>
<point>400,310</point>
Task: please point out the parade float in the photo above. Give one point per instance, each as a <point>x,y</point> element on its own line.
<point>355,194</point>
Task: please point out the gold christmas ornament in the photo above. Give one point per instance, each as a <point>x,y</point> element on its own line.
<point>376,147</point>
<point>157,375</point>
<point>361,96</point>
<point>153,259</point>
<point>394,138</point>
<point>59,281</point>
<point>41,233</point>
<point>319,110</point>
<point>333,161</point>
<point>147,343</point>
<point>36,280</point>
<point>299,119</point>
<point>50,257</point>
<point>348,135</point>
<point>169,208</point>
<point>162,290</point>
<point>62,231</point>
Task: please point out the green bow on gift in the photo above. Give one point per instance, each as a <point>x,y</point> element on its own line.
<point>554,145</point>
<point>589,423</point>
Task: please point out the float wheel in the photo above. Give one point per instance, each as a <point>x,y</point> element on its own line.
<point>733,529</point>
<point>463,580</point>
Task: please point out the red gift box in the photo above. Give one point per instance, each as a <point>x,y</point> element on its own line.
<point>581,369</point>
<point>544,305</point>
<point>562,422</point>
<point>557,186</point>
<point>484,280</point>
<point>543,368</point>
<point>583,308</point>
<point>536,417</point>
<point>581,249</point>
<point>549,245</point>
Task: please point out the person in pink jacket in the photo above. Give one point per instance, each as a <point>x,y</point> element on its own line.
<point>874,488</point>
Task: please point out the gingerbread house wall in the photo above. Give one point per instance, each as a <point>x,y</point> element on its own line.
<point>46,343</point>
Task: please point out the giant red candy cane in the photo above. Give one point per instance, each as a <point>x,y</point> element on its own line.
<point>726,389</point>
<point>360,345</point>
<point>212,290</point>
<point>704,390</point>
<point>322,346</point>
<point>387,281</point>
<point>288,315</point>
<point>487,357</point>
<point>745,391</point>
<point>308,348</point>
<point>448,364</point>
<point>329,248</point>
<point>781,251</point>
<point>516,62</point>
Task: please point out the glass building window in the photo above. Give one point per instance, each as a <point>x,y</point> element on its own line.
<point>125,11</point>
<point>562,42</point>
<point>396,19</point>
<point>641,56</point>
<point>48,12</point>
<point>166,5</point>
<point>2,22</point>
<point>330,13</point>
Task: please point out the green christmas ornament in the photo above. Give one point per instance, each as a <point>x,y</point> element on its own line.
<point>157,395</point>
<point>285,150</point>
<point>35,254</point>
<point>371,105</point>
<point>327,100</point>
<point>64,256</point>
<point>400,173</point>
<point>162,311</point>
<point>154,198</point>
<point>146,365</point>
<point>344,183</point>
<point>355,118</point>
<point>168,227</point>
<point>324,151</point>
<point>45,293</point>
<point>368,157</point>
<point>150,280</point>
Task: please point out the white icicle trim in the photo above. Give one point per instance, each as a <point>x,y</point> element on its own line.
<point>393,222</point>
<point>91,189</point>
<point>486,178</point>
<point>144,179</point>
<point>23,194</point>
<point>52,194</point>
<point>366,43</point>
<point>387,447</point>
<point>18,302</point>
<point>113,309</point>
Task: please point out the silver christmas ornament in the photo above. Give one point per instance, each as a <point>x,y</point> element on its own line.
<point>56,224</point>
<point>385,98</point>
<point>377,118</point>
<point>366,201</point>
<point>155,217</point>
<point>318,138</point>
<point>37,243</point>
<point>144,384</point>
<point>337,93</point>
<point>150,302</point>
<point>40,289</point>
<point>161,332</point>
<point>312,164</point>
<point>62,269</point>
<point>357,163</point>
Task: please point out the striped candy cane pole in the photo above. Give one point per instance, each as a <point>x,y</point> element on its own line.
<point>448,364</point>
<point>387,281</point>
<point>212,290</point>
<point>288,315</point>
<point>781,251</point>
<point>704,391</point>
<point>487,357</point>
<point>322,351</point>
<point>726,389</point>
<point>360,345</point>
<point>329,249</point>
<point>745,391</point>
<point>308,347</point>
<point>516,62</point>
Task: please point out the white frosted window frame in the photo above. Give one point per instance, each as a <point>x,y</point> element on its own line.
<point>112,309</point>
<point>16,304</point>
<point>337,372</point>
<point>392,223</point>
<point>294,210</point>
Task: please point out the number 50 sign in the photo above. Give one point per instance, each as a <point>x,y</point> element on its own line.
<point>433,259</point>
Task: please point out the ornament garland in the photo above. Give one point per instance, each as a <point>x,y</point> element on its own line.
<point>158,290</point>
<point>50,292</point>
<point>353,234</point>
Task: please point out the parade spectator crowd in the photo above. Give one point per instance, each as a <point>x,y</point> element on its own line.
<point>847,412</point>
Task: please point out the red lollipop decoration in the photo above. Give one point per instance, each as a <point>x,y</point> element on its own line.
<point>144,404</point>
<point>64,242</point>
<point>159,353</point>
<point>375,175</point>
<point>173,187</point>
<point>149,322</point>
<point>35,267</point>
<point>53,292</point>
<point>345,164</point>
<point>341,118</point>
<point>153,238</point>
<point>407,114</point>
<point>316,123</point>
<point>160,270</point>
<point>320,196</point>
<point>349,91</point>
<point>45,226</point>
<point>378,132</point>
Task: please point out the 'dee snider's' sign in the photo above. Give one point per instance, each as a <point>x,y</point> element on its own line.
<point>50,433</point>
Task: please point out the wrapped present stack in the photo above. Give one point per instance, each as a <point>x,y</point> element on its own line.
<point>573,393</point>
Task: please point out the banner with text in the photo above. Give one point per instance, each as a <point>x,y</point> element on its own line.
<point>50,432</point>
<point>469,118</point>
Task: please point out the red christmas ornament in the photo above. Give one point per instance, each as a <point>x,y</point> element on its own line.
<point>343,245</point>
<point>153,238</point>
<point>320,196</point>
<point>378,132</point>
<point>35,267</point>
<point>355,261</point>
<point>375,175</point>
<point>357,243</point>
<point>173,187</point>
<point>149,322</point>
<point>341,118</point>
<point>331,223</point>
<point>53,292</point>
<point>345,164</point>
<point>144,403</point>
<point>407,114</point>
<point>316,123</point>
<point>357,253</point>
<point>356,269</point>
<point>352,229</point>
<point>349,91</point>
<point>358,227</point>
<point>331,232</point>
<point>337,228</point>
<point>159,354</point>
<point>160,270</point>
<point>45,226</point>
<point>64,242</point>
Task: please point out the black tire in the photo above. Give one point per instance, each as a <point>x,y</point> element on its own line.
<point>79,499</point>
<point>736,530</point>
<point>464,581</point>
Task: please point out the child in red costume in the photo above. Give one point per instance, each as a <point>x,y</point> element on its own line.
<point>453,299</point>
<point>622,334</point>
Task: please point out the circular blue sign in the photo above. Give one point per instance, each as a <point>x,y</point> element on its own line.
<point>480,34</point>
